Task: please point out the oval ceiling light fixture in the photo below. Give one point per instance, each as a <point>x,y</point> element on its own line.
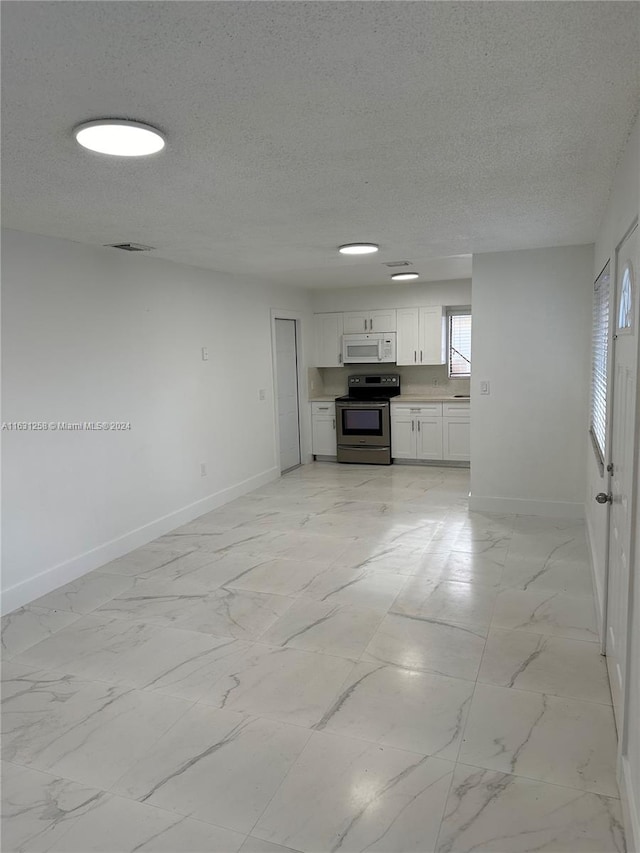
<point>358,248</point>
<point>405,276</point>
<point>119,137</point>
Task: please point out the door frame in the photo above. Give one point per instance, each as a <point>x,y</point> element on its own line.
<point>303,422</point>
<point>634,547</point>
<point>613,292</point>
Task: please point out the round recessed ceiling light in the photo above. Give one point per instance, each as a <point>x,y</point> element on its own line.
<point>119,137</point>
<point>405,276</point>
<point>358,248</point>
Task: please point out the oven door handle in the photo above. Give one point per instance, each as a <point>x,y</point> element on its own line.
<point>362,405</point>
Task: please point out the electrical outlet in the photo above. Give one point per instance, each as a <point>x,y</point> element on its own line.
<point>262,394</point>
<point>205,353</point>
<point>435,382</point>
<point>203,469</point>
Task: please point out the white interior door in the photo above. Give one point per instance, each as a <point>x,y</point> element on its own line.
<point>288,406</point>
<point>622,460</point>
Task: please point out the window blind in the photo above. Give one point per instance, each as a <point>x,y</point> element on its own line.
<point>460,343</point>
<point>599,363</point>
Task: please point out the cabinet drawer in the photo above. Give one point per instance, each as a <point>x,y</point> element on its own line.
<point>323,409</point>
<point>455,410</point>
<point>417,409</point>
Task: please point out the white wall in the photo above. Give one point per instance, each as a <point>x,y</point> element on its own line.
<point>621,211</point>
<point>95,334</point>
<point>392,296</point>
<point>531,339</point>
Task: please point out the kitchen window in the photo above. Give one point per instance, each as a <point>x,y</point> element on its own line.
<point>459,342</point>
<point>599,364</point>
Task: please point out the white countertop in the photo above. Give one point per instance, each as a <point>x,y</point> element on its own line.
<point>423,398</point>
<point>401,398</point>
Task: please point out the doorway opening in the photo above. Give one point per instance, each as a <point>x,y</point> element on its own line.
<point>288,397</point>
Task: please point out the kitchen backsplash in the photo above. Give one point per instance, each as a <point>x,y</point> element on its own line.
<point>430,380</point>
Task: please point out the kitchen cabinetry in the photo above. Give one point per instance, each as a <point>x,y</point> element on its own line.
<point>369,321</point>
<point>421,335</point>
<point>328,329</point>
<point>416,431</point>
<point>430,431</point>
<point>323,429</point>
<point>456,431</point>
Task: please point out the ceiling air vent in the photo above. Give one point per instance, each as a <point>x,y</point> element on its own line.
<point>397,263</point>
<point>130,247</point>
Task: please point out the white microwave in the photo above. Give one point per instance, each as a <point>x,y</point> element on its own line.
<point>374,348</point>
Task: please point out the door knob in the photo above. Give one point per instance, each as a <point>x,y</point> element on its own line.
<point>604,498</point>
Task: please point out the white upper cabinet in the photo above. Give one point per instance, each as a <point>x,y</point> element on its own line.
<point>356,321</point>
<point>383,321</point>
<point>433,337</point>
<point>408,339</point>
<point>369,321</point>
<point>421,336</point>
<point>328,340</point>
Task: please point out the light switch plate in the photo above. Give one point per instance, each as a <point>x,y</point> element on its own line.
<point>485,387</point>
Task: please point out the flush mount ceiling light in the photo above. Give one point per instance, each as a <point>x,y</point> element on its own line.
<point>358,248</point>
<point>405,276</point>
<point>119,137</point>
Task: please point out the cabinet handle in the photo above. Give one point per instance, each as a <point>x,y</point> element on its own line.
<point>413,426</point>
<point>421,356</point>
<point>334,423</point>
<point>339,358</point>
<point>365,325</point>
<point>323,408</point>
<point>418,426</point>
<point>415,355</point>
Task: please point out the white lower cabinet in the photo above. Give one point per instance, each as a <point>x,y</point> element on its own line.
<point>323,429</point>
<point>429,437</point>
<point>423,433</point>
<point>456,438</point>
<point>403,434</point>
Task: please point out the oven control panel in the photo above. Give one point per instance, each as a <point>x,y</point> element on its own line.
<point>387,380</point>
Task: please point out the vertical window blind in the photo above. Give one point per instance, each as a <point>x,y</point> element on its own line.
<point>599,363</point>
<point>460,343</point>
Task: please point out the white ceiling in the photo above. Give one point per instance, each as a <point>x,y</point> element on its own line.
<point>435,129</point>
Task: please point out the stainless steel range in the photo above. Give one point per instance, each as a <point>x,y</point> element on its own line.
<point>364,419</point>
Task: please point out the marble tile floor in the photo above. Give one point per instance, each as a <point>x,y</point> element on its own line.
<point>346,659</point>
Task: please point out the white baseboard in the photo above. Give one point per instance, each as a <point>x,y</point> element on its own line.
<point>34,587</point>
<point>520,506</point>
<point>630,808</point>
<point>598,592</point>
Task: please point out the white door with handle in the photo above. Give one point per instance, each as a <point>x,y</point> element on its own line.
<point>621,496</point>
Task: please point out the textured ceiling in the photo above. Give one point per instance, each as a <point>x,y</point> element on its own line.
<point>435,129</point>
